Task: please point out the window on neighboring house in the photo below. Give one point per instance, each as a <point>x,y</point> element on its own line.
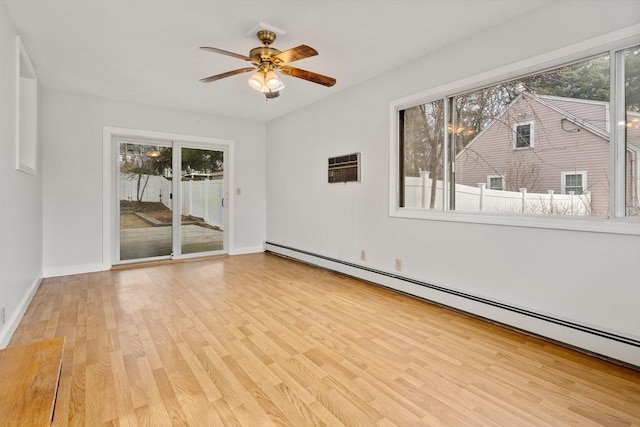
<point>523,135</point>
<point>575,182</point>
<point>451,140</point>
<point>495,182</point>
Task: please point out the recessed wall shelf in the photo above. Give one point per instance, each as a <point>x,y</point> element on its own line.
<point>26,111</point>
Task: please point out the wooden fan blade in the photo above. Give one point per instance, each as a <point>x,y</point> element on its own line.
<point>226,52</point>
<point>294,54</point>
<point>227,74</point>
<point>307,75</point>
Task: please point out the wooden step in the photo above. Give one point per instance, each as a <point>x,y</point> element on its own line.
<point>29,376</point>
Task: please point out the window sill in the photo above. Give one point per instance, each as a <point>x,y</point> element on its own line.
<point>627,226</point>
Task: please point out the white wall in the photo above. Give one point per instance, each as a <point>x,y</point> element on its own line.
<point>20,199</point>
<point>591,279</point>
<point>72,164</point>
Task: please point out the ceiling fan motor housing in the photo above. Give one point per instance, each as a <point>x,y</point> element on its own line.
<point>263,53</point>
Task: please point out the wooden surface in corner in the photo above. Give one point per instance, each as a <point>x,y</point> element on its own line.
<point>29,377</point>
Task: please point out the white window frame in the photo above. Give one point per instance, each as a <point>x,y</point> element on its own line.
<point>563,184</point>
<point>617,224</point>
<point>531,135</point>
<point>489,177</point>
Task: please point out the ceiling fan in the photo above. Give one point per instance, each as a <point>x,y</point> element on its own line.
<point>266,61</point>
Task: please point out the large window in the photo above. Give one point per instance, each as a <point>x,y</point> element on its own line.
<point>527,145</point>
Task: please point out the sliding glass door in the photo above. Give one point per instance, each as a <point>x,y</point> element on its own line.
<point>144,201</point>
<point>170,201</point>
<point>202,195</point>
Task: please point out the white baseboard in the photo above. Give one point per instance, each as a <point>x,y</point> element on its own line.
<point>74,269</point>
<point>585,337</point>
<point>247,250</point>
<point>13,321</point>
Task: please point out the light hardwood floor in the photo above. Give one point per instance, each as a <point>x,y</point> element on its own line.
<point>258,340</point>
<point>28,382</point>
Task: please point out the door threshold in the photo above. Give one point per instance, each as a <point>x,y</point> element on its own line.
<point>164,262</point>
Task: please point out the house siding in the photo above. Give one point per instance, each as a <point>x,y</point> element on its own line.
<point>538,169</point>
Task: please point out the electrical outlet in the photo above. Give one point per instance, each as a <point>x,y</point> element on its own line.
<point>398,265</point>
<point>363,255</point>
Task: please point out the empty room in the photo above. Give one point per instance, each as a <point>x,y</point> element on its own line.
<point>320,213</point>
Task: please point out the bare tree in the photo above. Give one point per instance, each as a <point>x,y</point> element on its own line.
<point>424,142</point>
<point>522,174</point>
<point>138,164</point>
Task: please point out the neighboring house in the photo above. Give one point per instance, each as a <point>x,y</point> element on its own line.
<point>544,143</point>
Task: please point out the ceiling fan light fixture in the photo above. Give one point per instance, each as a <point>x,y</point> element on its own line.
<point>257,81</point>
<point>280,86</point>
<point>266,82</point>
<point>272,82</point>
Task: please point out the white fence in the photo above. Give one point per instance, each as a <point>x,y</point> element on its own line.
<point>158,189</point>
<point>417,194</point>
<point>202,199</point>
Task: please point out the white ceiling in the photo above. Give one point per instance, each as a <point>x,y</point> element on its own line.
<point>147,51</point>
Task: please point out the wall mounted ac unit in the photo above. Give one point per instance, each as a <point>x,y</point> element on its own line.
<point>344,168</point>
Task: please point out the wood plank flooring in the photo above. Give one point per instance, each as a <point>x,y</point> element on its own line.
<point>258,340</point>
<point>29,377</point>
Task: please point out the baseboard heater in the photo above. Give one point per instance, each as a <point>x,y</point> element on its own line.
<point>607,345</point>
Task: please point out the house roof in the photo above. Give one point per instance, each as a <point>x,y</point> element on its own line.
<point>575,106</point>
<point>547,101</point>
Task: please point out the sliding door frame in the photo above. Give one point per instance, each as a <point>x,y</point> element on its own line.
<point>178,199</point>
<point>116,212</point>
<point>110,135</point>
